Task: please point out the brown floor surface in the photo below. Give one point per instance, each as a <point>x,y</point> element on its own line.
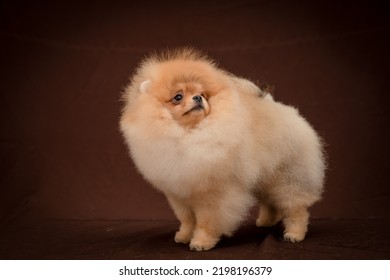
<point>327,239</point>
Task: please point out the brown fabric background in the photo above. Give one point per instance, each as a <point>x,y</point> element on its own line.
<point>64,64</point>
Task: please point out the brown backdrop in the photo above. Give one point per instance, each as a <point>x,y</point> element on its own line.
<point>64,64</point>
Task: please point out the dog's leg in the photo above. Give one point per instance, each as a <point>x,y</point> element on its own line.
<point>208,230</point>
<point>219,214</point>
<point>268,216</point>
<point>295,221</point>
<point>186,217</point>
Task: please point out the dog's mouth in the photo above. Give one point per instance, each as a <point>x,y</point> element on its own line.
<point>196,108</point>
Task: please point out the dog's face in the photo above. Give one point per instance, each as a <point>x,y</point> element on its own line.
<point>187,103</point>
<point>185,89</point>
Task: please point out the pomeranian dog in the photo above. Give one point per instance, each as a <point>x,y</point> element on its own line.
<point>215,145</point>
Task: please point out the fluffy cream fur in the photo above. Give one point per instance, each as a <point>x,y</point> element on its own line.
<point>215,162</point>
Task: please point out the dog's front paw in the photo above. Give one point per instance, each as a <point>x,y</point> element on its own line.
<point>203,244</point>
<point>293,237</point>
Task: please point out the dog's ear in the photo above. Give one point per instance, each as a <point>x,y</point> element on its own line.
<point>145,85</point>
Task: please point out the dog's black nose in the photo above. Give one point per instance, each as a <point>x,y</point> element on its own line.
<point>197,98</point>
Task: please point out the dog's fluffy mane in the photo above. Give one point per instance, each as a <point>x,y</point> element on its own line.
<point>152,60</point>
<point>184,53</point>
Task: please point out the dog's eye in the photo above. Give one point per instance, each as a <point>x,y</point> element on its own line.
<point>178,98</point>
